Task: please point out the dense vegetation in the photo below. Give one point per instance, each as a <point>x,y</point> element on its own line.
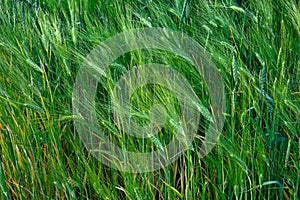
<point>255,46</point>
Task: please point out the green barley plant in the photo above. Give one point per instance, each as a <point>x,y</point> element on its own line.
<point>255,46</point>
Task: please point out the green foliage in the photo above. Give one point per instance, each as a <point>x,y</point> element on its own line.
<point>256,48</point>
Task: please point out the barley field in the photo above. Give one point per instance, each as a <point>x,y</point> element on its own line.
<point>255,47</point>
